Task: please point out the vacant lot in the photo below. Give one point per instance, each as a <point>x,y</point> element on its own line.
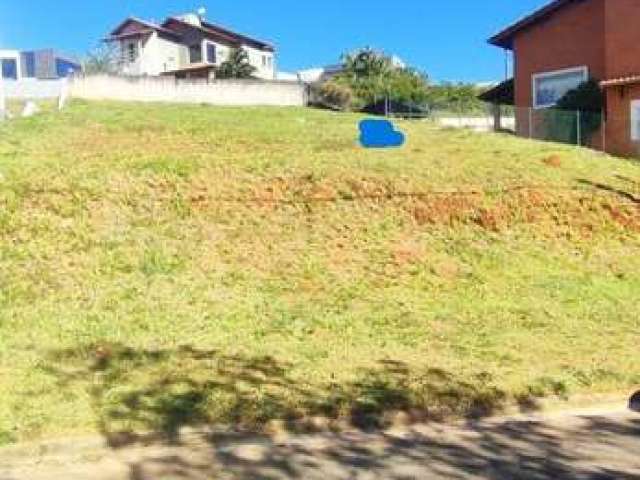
<point>170,265</point>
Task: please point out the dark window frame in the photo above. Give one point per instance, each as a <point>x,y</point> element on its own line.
<point>212,53</point>
<point>195,54</point>
<point>7,72</point>
<point>132,52</point>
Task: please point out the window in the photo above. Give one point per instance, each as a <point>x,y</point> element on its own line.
<point>132,52</point>
<point>635,120</point>
<point>211,53</point>
<point>264,60</point>
<point>9,68</point>
<point>195,54</point>
<point>29,62</point>
<point>550,87</point>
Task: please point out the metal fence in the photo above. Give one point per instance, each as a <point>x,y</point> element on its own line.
<point>573,127</point>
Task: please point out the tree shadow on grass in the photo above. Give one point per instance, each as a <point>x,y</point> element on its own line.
<point>622,194</point>
<point>138,393</point>
<point>146,397</point>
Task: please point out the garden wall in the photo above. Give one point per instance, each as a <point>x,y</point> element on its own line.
<point>32,88</point>
<point>168,89</point>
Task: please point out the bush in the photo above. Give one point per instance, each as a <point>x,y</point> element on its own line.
<point>459,98</point>
<point>588,100</point>
<point>371,76</point>
<point>334,95</point>
<point>586,97</point>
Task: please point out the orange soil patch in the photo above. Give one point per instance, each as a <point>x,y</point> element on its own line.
<point>553,161</point>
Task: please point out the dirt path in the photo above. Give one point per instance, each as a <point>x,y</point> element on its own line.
<point>578,445</point>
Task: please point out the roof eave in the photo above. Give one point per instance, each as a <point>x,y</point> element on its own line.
<point>620,82</point>
<point>148,25</point>
<point>502,42</point>
<point>122,36</point>
<point>504,39</point>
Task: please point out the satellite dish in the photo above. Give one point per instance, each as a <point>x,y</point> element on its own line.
<point>202,12</point>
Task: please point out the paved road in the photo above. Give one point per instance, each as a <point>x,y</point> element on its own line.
<point>583,445</point>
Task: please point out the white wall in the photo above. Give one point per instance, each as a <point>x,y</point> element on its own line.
<point>255,58</point>
<point>481,124</point>
<point>3,101</point>
<point>126,66</point>
<point>222,51</point>
<point>28,88</point>
<point>162,55</point>
<point>155,55</point>
<point>167,89</point>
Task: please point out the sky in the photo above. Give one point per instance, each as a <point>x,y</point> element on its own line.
<point>446,39</point>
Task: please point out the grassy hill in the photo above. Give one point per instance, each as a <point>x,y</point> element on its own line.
<point>168,265</point>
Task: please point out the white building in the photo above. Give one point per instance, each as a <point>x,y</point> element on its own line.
<point>46,64</point>
<point>186,47</point>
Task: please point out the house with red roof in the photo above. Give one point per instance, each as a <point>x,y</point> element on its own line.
<point>185,46</point>
<point>567,42</point>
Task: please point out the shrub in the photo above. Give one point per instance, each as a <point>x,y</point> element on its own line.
<point>587,99</point>
<point>236,66</point>
<point>372,76</point>
<point>335,95</point>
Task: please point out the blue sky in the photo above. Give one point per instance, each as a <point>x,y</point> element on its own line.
<point>444,38</point>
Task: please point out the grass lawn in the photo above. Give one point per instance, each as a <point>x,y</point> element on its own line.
<point>169,265</point>
<point>16,106</point>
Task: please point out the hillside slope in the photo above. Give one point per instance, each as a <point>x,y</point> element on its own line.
<point>168,265</point>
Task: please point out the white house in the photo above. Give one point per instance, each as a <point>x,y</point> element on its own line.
<point>185,46</point>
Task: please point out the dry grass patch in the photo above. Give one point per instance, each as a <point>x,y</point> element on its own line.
<point>164,265</point>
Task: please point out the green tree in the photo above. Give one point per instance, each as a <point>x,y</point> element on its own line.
<point>455,97</point>
<point>408,85</point>
<point>371,77</point>
<point>236,66</point>
<point>366,64</point>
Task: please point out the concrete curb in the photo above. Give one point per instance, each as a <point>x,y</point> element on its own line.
<point>98,445</point>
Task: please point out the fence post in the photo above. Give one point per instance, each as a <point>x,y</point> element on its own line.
<point>530,122</point>
<point>64,94</point>
<point>603,126</point>
<point>497,114</point>
<point>578,129</point>
<point>3,103</point>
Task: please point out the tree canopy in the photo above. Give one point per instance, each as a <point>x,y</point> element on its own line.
<point>236,66</point>
<point>370,76</point>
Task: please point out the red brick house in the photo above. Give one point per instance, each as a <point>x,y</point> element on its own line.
<point>569,41</point>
